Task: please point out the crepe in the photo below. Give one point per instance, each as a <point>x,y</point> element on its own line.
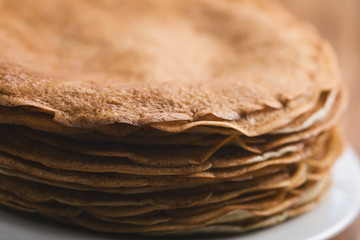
<point>165,117</point>
<point>109,75</point>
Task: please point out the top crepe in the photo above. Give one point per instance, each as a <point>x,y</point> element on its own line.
<point>92,63</point>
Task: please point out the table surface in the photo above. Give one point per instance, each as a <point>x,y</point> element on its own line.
<point>338,21</point>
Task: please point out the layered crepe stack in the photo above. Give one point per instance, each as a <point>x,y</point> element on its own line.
<point>165,117</point>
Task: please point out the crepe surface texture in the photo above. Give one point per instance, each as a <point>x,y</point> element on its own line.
<point>165,117</point>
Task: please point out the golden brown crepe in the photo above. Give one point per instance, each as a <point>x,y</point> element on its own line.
<point>165,117</point>
<point>158,61</point>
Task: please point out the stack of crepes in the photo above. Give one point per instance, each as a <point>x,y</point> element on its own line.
<point>165,117</point>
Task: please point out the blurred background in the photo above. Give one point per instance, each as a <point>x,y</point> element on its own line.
<point>339,22</point>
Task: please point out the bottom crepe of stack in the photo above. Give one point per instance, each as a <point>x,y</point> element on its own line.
<point>168,178</point>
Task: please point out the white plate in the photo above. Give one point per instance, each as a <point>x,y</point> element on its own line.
<point>337,211</point>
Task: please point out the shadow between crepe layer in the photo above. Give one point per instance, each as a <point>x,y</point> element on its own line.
<point>199,154</point>
<point>245,221</point>
<point>128,152</point>
<point>147,135</point>
<point>227,195</point>
<point>185,197</point>
<point>212,192</point>
<point>158,155</point>
<point>236,226</point>
<point>217,209</point>
<point>53,157</point>
<point>117,179</point>
<point>112,180</point>
<point>262,207</point>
